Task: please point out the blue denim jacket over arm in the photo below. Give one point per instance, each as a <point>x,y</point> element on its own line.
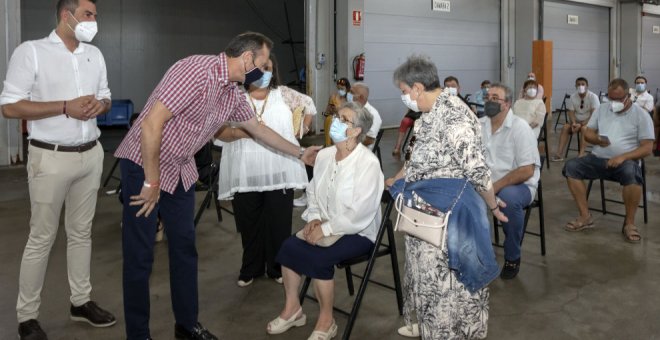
<point>471,253</point>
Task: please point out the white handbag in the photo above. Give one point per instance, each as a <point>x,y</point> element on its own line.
<point>426,227</point>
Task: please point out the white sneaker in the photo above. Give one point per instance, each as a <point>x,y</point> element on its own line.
<point>409,332</point>
<point>244,284</point>
<point>301,201</point>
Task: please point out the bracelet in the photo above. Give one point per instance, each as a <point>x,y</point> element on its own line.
<point>64,109</point>
<point>496,207</point>
<point>151,185</point>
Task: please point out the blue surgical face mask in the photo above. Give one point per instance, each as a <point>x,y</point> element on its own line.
<point>484,91</point>
<point>640,87</point>
<point>338,131</point>
<point>342,93</point>
<point>349,97</point>
<point>264,81</point>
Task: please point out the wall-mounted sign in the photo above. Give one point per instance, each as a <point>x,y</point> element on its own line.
<point>656,29</point>
<point>573,19</point>
<point>441,5</point>
<point>357,18</point>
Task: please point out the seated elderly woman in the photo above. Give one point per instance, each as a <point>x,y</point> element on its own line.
<point>530,107</point>
<point>344,199</point>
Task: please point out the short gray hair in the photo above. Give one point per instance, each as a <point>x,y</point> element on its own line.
<point>417,69</point>
<point>363,118</point>
<point>508,93</point>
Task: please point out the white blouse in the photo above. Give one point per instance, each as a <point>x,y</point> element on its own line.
<point>345,195</point>
<point>531,110</point>
<point>248,166</point>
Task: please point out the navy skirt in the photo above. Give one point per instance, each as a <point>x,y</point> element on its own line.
<point>319,262</point>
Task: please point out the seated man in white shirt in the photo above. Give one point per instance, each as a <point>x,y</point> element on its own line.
<point>360,93</point>
<point>512,155</point>
<point>640,96</point>
<point>622,134</point>
<point>579,108</point>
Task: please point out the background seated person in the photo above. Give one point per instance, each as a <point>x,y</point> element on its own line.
<point>622,133</point>
<point>336,100</point>
<point>360,93</point>
<point>406,123</point>
<point>513,158</point>
<point>479,98</point>
<point>640,96</point>
<point>539,93</point>
<point>579,108</point>
<point>344,199</point>
<point>530,108</point>
<point>454,88</point>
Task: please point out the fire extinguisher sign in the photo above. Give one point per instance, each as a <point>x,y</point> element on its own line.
<point>357,18</point>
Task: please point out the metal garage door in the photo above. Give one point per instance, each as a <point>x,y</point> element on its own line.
<point>651,52</point>
<point>578,50</point>
<point>464,42</point>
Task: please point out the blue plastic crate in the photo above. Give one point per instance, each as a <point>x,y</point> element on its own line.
<point>119,114</point>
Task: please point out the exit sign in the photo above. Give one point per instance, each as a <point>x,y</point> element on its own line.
<point>573,19</point>
<point>441,5</point>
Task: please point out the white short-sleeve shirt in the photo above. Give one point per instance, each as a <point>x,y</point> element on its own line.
<point>624,130</point>
<point>45,70</point>
<point>582,106</point>
<point>377,122</point>
<point>512,146</point>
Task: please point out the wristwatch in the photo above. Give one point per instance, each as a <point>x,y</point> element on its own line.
<point>301,152</point>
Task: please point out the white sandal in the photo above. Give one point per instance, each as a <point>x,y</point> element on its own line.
<point>279,325</point>
<point>320,335</point>
<point>411,331</point>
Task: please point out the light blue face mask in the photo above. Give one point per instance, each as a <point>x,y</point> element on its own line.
<point>342,93</point>
<point>640,87</point>
<point>349,97</point>
<point>338,131</point>
<point>264,81</point>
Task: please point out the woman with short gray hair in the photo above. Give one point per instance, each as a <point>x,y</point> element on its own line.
<point>445,170</point>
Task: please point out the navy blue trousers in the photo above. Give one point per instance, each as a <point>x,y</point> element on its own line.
<point>176,211</point>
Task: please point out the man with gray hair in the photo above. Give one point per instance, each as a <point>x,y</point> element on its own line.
<point>513,158</point>
<point>360,93</point>
<point>59,86</point>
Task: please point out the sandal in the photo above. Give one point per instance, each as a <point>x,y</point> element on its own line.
<point>631,234</point>
<point>577,225</point>
<point>320,335</point>
<point>411,331</point>
<point>279,325</point>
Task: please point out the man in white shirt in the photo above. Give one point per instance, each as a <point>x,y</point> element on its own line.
<point>512,156</point>
<point>360,93</point>
<point>59,85</point>
<point>579,108</point>
<point>640,96</point>
<point>622,134</point>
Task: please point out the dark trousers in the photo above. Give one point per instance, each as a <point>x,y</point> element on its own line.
<point>264,221</point>
<point>138,237</point>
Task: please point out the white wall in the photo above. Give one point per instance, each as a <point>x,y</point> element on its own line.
<point>141,39</point>
<point>650,53</point>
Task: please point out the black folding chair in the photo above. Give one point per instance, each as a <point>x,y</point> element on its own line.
<point>380,249</point>
<point>564,110</point>
<point>570,141</point>
<point>543,138</point>
<point>376,149</point>
<point>536,203</point>
<point>208,168</point>
<point>604,199</point>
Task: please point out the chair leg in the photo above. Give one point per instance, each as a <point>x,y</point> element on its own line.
<point>539,194</point>
<point>646,213</point>
<point>303,289</point>
<point>112,171</point>
<point>496,230</point>
<point>568,145</point>
<point>218,208</point>
<point>591,182</point>
<point>602,196</point>
<point>361,290</point>
<point>395,267</point>
<point>349,281</point>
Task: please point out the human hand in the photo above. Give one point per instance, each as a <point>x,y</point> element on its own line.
<point>497,213</point>
<point>94,108</point>
<point>390,182</point>
<point>311,232</point>
<point>148,198</point>
<point>603,141</point>
<point>309,156</point>
<point>615,162</point>
<point>575,127</point>
<point>78,108</point>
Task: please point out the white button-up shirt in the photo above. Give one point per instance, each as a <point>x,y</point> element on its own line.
<point>377,122</point>
<point>45,70</point>
<point>644,100</point>
<point>512,146</point>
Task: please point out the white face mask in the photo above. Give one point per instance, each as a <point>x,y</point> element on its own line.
<point>452,91</point>
<point>582,89</point>
<point>85,30</point>
<point>531,78</point>
<point>531,92</point>
<point>617,106</point>
<point>409,103</point>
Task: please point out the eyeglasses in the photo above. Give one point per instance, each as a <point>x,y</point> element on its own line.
<point>411,144</point>
<point>494,99</point>
<point>342,119</point>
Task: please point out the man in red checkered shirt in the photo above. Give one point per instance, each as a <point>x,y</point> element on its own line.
<point>194,99</point>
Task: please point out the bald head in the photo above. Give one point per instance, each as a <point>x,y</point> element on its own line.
<point>360,93</point>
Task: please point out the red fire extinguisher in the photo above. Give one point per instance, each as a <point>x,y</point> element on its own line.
<point>358,67</point>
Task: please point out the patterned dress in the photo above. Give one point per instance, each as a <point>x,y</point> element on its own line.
<point>447,144</point>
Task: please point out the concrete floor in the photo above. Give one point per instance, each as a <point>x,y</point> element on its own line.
<point>590,285</point>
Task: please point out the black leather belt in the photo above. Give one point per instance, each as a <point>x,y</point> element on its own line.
<point>63,148</point>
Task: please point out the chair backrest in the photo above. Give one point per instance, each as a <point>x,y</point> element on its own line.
<point>379,136</point>
<point>206,168</point>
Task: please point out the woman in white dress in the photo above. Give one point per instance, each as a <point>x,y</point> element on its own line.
<point>259,180</point>
<point>530,108</point>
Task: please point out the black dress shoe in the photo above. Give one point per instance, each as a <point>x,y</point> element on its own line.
<point>30,330</point>
<point>197,333</point>
<point>93,315</point>
<point>510,269</point>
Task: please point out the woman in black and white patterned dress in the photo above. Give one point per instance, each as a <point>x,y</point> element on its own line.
<point>446,145</point>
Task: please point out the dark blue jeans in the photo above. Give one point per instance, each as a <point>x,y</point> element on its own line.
<point>138,237</point>
<point>517,197</point>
